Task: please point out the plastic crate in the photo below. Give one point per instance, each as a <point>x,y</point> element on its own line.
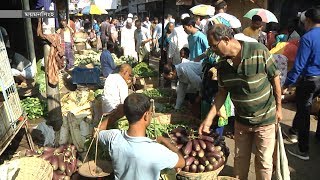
<point>86,76</point>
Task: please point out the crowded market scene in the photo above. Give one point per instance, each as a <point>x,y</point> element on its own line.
<point>160,89</point>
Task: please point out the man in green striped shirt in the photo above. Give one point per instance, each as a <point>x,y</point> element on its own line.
<point>248,72</point>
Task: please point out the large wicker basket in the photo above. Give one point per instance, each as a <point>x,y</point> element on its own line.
<point>182,175</point>
<point>31,168</point>
<point>226,178</point>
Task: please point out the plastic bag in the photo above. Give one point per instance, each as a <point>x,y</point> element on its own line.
<point>282,167</point>
<point>47,132</point>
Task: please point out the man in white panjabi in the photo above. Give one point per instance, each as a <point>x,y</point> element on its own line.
<point>127,39</point>
<point>178,41</point>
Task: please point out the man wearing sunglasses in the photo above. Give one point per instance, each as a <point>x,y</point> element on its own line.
<point>248,72</point>
<point>135,156</point>
<point>116,88</point>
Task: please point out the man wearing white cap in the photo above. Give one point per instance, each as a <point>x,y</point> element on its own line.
<point>178,41</point>
<point>127,39</point>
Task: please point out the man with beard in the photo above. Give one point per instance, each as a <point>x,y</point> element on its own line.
<point>127,39</point>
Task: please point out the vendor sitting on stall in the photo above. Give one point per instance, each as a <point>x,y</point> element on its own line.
<point>135,156</point>
<point>106,60</point>
<point>21,67</point>
<point>116,88</point>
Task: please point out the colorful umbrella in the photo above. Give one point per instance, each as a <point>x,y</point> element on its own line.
<point>289,49</point>
<point>203,10</point>
<point>226,19</point>
<point>266,15</point>
<point>92,9</point>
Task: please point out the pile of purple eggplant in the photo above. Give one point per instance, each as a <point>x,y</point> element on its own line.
<point>63,160</point>
<point>202,153</point>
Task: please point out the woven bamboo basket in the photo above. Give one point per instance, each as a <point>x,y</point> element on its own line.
<point>226,178</point>
<point>32,168</point>
<point>199,176</point>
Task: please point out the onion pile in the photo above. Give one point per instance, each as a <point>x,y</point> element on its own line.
<point>63,160</point>
<point>202,153</point>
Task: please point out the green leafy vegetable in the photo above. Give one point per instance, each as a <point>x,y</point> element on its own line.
<point>124,59</point>
<point>34,107</point>
<point>40,78</point>
<point>154,130</point>
<point>98,93</point>
<point>154,93</point>
<point>143,70</point>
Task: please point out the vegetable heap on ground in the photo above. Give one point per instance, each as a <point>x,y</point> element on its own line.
<point>155,93</point>
<point>63,160</point>
<point>84,59</point>
<point>34,107</point>
<point>124,59</point>
<point>143,70</point>
<point>155,128</point>
<point>202,153</point>
<point>77,102</point>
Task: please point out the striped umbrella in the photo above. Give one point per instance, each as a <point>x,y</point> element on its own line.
<point>266,15</point>
<point>203,10</point>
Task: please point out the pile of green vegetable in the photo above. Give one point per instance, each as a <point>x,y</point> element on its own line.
<point>156,93</point>
<point>92,57</point>
<point>98,93</point>
<point>102,152</point>
<point>34,107</point>
<point>40,78</point>
<point>154,130</point>
<point>164,108</point>
<point>143,70</point>
<point>124,59</point>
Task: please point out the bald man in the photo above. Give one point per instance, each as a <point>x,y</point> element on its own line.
<point>116,88</point>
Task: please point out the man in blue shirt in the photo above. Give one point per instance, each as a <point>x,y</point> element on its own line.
<point>198,42</point>
<point>135,156</point>
<point>106,60</point>
<point>306,75</point>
